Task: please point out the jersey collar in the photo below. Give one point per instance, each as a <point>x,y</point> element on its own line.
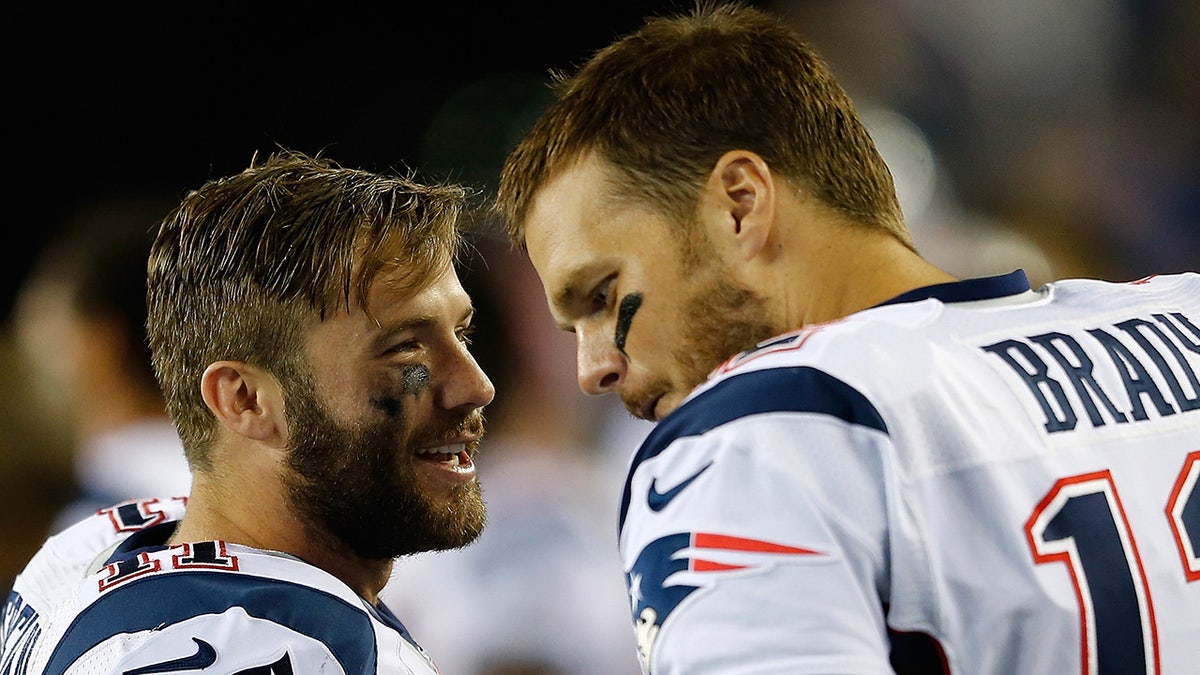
<point>967,290</point>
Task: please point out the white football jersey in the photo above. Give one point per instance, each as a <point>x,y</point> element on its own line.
<point>108,596</point>
<point>972,478</point>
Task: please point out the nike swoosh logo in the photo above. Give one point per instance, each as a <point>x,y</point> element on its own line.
<point>204,657</point>
<point>659,500</point>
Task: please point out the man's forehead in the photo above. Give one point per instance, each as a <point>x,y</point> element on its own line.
<point>396,293</point>
<point>579,188</point>
<point>568,213</point>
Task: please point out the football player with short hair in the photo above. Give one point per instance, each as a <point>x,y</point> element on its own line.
<point>861,463</point>
<point>310,334</point>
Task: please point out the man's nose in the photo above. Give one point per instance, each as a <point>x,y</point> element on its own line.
<point>601,366</point>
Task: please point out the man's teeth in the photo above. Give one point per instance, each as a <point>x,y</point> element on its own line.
<point>451,452</point>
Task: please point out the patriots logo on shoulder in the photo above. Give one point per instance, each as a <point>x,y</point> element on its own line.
<point>671,568</point>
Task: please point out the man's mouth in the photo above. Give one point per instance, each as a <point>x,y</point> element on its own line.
<point>647,410</point>
<point>454,455</point>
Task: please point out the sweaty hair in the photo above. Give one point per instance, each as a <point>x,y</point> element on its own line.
<point>663,104</point>
<point>246,262</point>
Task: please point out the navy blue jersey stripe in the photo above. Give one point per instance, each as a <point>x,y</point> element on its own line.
<point>167,599</point>
<point>796,389</point>
<point>983,288</point>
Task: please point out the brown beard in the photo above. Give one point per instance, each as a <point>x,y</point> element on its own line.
<point>357,484</point>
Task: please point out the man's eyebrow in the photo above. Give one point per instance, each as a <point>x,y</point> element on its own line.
<point>408,323</point>
<point>569,290</point>
<point>574,285</point>
<point>568,294</point>
<point>391,329</point>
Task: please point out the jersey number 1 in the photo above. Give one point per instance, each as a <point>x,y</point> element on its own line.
<point>1081,523</point>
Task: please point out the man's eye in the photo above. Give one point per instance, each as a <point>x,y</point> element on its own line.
<point>405,347</point>
<point>601,295</point>
<point>464,334</point>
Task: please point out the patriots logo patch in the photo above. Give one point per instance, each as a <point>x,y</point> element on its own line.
<point>673,567</point>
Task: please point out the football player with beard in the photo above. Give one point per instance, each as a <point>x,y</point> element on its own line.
<point>310,334</point>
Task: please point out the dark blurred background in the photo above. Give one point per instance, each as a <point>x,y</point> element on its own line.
<point>108,98</point>
<point>1074,120</point>
<point>1061,136</point>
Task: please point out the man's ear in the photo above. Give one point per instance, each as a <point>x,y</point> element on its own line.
<point>742,189</point>
<point>246,400</point>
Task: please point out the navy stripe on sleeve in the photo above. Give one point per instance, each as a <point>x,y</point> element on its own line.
<point>171,598</point>
<point>796,389</point>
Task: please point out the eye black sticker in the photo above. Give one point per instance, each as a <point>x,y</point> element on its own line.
<point>415,379</point>
<point>625,311</point>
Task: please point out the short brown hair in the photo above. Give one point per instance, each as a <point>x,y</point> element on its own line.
<point>663,104</point>
<point>245,262</point>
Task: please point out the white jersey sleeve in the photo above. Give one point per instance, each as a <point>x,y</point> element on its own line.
<point>198,607</point>
<point>981,480</point>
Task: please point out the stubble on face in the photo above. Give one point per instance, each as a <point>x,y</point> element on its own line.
<point>357,484</point>
<point>724,320</point>
<point>718,318</point>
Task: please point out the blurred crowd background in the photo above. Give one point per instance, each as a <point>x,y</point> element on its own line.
<point>1059,136</point>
